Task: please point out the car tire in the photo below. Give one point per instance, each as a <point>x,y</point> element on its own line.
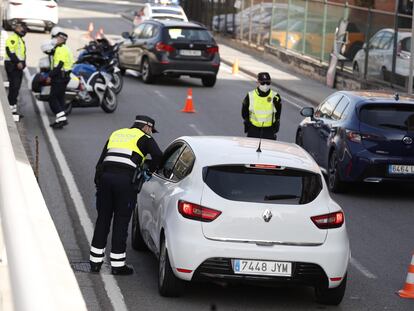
<point>209,81</point>
<point>168,284</point>
<point>330,296</point>
<point>137,241</point>
<point>335,184</point>
<point>299,138</point>
<point>146,71</point>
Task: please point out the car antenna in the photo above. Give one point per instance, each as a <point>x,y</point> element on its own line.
<point>260,140</point>
<point>397,96</point>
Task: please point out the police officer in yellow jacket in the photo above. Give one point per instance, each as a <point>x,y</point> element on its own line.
<point>60,76</point>
<point>123,155</point>
<point>15,62</point>
<point>261,110</point>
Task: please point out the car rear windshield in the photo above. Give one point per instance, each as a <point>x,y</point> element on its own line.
<point>276,186</point>
<point>393,116</point>
<point>188,34</point>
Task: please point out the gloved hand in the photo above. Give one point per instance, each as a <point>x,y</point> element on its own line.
<point>147,175</point>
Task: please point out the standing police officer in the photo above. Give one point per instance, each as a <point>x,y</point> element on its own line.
<point>261,110</point>
<point>15,62</point>
<point>61,67</point>
<point>123,155</point>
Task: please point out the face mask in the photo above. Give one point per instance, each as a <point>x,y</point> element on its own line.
<point>53,41</point>
<point>264,88</point>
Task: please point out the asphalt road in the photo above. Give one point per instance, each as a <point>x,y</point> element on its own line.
<point>379,217</point>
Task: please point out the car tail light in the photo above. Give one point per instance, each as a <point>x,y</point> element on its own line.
<point>212,50</point>
<point>329,221</point>
<point>197,212</point>
<point>353,136</point>
<point>162,47</point>
<point>51,6</point>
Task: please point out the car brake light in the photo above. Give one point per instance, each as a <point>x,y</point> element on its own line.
<point>353,136</point>
<point>197,212</point>
<point>162,47</point>
<point>329,221</point>
<point>267,166</point>
<point>213,50</point>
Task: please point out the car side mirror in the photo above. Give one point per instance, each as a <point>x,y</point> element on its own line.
<point>126,35</point>
<point>307,112</point>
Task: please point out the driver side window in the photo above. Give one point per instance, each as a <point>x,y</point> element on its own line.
<point>138,31</point>
<point>166,170</point>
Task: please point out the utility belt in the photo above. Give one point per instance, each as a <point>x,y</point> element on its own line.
<point>136,174</point>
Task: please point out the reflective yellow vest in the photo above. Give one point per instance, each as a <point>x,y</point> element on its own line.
<point>122,145</point>
<point>16,45</point>
<point>261,109</point>
<point>63,54</point>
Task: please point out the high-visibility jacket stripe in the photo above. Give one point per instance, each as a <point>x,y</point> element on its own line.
<point>120,160</point>
<point>120,150</point>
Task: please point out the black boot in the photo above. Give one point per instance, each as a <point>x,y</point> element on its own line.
<point>124,270</point>
<point>95,266</point>
<point>59,125</point>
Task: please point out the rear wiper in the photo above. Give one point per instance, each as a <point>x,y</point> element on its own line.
<point>280,197</point>
<point>394,126</point>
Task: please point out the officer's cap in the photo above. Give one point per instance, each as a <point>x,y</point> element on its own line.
<point>145,120</point>
<point>263,77</point>
<point>19,23</point>
<point>63,35</point>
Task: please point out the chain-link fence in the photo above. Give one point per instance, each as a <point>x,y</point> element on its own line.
<point>362,37</point>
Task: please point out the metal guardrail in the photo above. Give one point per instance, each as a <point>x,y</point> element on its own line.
<point>39,271</point>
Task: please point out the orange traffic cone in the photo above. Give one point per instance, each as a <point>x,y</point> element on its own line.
<point>235,68</point>
<point>189,102</point>
<point>408,290</point>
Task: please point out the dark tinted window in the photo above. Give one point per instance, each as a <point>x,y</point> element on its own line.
<point>149,31</point>
<point>393,116</point>
<point>242,183</point>
<point>184,164</point>
<point>187,34</point>
<point>170,158</point>
<point>340,112</point>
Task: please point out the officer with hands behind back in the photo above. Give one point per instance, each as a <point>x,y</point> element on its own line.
<point>61,68</point>
<point>261,110</point>
<point>15,62</point>
<point>123,155</point>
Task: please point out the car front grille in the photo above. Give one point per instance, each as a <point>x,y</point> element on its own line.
<point>221,269</point>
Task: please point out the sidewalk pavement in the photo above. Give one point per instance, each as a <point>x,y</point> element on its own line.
<point>301,86</point>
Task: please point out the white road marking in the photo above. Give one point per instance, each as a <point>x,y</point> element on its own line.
<point>112,289</point>
<point>160,94</point>
<point>194,127</point>
<point>362,269</point>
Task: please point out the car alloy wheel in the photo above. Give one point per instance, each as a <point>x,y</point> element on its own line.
<point>146,73</point>
<point>168,284</point>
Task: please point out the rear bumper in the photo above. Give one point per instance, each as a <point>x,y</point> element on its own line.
<point>208,259</point>
<point>369,167</point>
<point>193,68</point>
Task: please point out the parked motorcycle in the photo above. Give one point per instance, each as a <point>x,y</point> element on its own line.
<point>87,87</point>
<point>104,57</point>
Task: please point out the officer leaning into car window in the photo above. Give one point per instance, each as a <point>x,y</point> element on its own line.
<point>261,109</point>
<point>15,62</point>
<point>61,67</point>
<point>123,155</point>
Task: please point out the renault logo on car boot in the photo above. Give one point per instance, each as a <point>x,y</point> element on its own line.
<point>407,140</point>
<point>267,215</point>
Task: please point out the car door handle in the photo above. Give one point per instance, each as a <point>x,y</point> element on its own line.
<point>152,195</point>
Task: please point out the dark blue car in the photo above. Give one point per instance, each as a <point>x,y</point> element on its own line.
<point>361,136</point>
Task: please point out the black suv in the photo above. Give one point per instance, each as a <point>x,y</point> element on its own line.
<point>170,48</point>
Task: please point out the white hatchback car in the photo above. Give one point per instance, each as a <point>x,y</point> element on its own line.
<point>218,209</point>
<point>160,10</point>
<point>37,13</point>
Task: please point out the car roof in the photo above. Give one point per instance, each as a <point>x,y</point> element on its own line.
<point>221,150</point>
<point>175,23</point>
<point>378,96</point>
